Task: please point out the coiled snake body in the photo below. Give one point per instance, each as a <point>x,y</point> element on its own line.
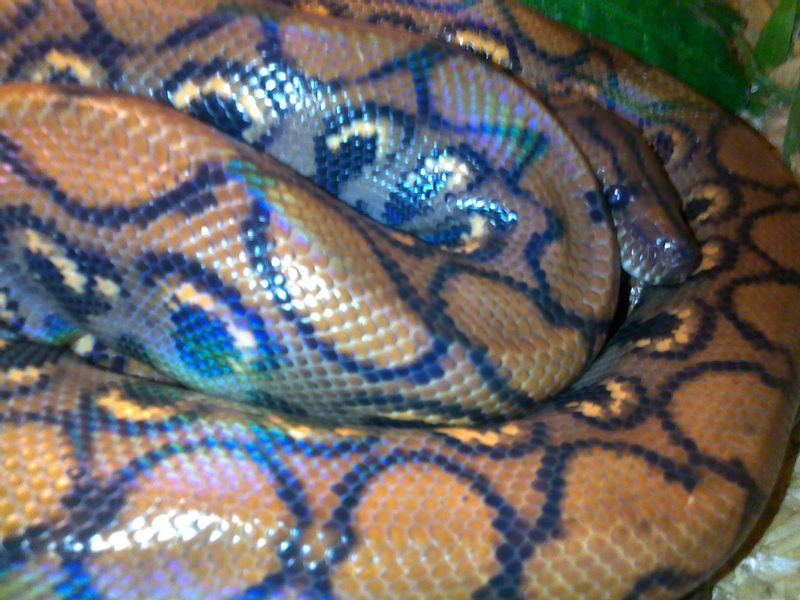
<point>218,382</point>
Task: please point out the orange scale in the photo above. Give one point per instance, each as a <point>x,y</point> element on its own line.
<point>746,423</point>
<point>422,540</point>
<point>751,301</point>
<point>734,150</point>
<point>188,512</point>
<point>34,476</point>
<point>685,530</point>
<point>776,235</point>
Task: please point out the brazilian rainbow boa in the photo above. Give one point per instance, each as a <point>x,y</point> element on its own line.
<point>218,381</point>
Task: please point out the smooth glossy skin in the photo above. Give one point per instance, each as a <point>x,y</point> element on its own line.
<point>636,480</point>
<point>656,246</point>
<point>580,83</point>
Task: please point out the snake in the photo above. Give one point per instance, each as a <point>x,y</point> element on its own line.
<point>329,299</point>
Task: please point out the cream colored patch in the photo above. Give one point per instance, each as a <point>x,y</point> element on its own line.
<point>490,437</point>
<point>474,239</point>
<point>718,197</point>
<point>457,171</point>
<point>107,287</point>
<point>221,87</point>
<point>680,144</point>
<point>592,410</point>
<point>622,397</point>
<point>497,52</point>
<point>350,432</point>
<point>589,89</point>
<point>620,394</point>
<point>73,278</point>
<point>313,8</point>
<point>122,408</point>
<point>25,376</point>
<point>293,430</point>
<point>432,419</point>
<point>682,334</point>
<point>404,238</point>
<point>188,294</point>
<point>5,313</point>
<point>69,270</point>
<point>70,63</point>
<point>185,94</point>
<point>84,345</point>
<point>712,255</point>
<point>379,129</point>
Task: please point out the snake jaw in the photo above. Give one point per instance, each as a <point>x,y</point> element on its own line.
<point>665,260</point>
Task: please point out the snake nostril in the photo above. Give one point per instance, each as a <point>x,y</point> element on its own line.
<point>683,258</point>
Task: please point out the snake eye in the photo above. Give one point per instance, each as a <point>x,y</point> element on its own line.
<point>619,196</point>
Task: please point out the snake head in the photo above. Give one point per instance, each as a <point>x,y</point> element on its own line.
<point>656,245</point>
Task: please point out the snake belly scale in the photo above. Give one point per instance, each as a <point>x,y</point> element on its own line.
<point>216,381</point>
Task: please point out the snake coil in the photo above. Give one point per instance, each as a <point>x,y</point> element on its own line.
<point>216,381</point>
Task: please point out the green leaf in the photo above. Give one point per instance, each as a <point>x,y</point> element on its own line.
<point>693,39</point>
<point>731,22</point>
<point>775,42</point>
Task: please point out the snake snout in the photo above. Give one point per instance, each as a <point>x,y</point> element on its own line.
<point>657,248</point>
<point>680,258</point>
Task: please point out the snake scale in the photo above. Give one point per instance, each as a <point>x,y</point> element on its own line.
<point>219,382</point>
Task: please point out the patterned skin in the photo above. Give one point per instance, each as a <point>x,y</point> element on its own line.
<point>280,398</point>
